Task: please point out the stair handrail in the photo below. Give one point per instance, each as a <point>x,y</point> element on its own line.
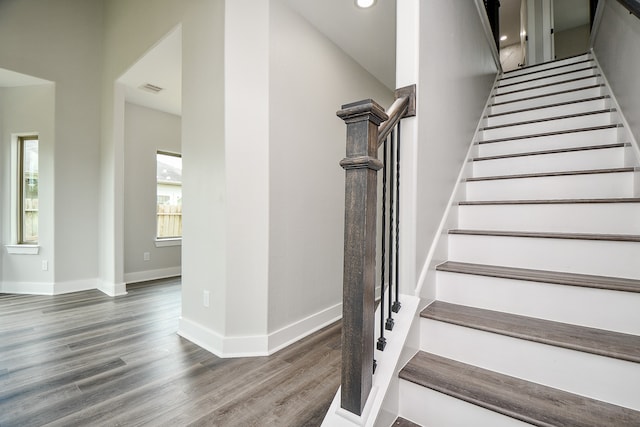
<point>368,125</point>
<point>633,6</point>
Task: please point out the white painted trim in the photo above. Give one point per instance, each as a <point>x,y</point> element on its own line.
<point>23,249</point>
<point>465,171</point>
<point>200,336</point>
<point>75,286</point>
<point>48,288</point>
<point>163,243</point>
<point>143,276</point>
<point>297,330</point>
<point>257,345</point>
<point>112,289</point>
<point>31,288</point>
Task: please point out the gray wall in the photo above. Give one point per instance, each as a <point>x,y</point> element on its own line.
<point>146,131</point>
<point>453,87</point>
<point>572,42</point>
<point>25,110</point>
<point>310,78</point>
<point>617,48</point>
<point>47,40</point>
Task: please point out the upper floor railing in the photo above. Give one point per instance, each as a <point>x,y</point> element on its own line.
<point>370,129</point>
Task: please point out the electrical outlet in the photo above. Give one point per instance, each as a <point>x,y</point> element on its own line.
<point>205,298</point>
<point>146,256</point>
<point>45,265</point>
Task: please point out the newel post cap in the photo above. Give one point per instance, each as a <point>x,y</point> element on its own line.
<point>367,109</point>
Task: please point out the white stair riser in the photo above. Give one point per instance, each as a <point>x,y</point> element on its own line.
<point>602,378</point>
<point>586,92</point>
<point>560,75</point>
<point>545,90</point>
<point>428,407</point>
<point>583,121</point>
<point>602,218</point>
<point>594,308</point>
<point>568,64</point>
<point>605,158</point>
<point>540,113</point>
<point>552,142</point>
<point>597,257</point>
<point>591,186</point>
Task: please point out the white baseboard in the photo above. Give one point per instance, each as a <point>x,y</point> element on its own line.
<point>34,288</point>
<point>256,345</point>
<point>112,289</point>
<point>48,288</point>
<point>300,329</point>
<point>161,273</point>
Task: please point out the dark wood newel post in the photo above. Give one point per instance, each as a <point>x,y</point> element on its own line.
<point>361,166</point>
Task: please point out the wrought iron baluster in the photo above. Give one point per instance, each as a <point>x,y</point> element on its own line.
<point>396,304</point>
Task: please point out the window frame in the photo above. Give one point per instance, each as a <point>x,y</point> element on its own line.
<point>21,190</point>
<point>162,241</point>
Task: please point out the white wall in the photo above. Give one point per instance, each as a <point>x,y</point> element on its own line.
<point>310,78</point>
<point>47,40</point>
<point>617,48</point>
<point>146,131</point>
<point>572,42</point>
<point>27,110</point>
<point>456,71</point>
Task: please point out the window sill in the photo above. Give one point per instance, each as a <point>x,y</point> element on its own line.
<point>23,249</point>
<point>163,243</point>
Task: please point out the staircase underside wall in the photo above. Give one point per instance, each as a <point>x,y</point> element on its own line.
<point>616,45</point>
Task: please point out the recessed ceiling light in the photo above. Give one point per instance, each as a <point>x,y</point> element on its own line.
<point>363,4</point>
<point>503,38</point>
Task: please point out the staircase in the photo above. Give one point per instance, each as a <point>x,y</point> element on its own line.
<point>537,314</point>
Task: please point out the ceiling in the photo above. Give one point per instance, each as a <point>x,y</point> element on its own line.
<point>367,35</point>
<point>13,79</point>
<point>161,66</point>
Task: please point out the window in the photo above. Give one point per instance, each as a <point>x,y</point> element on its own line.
<point>28,189</point>
<point>168,195</point>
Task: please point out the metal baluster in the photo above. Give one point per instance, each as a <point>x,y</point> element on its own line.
<point>389,323</point>
<point>396,304</point>
<point>382,342</point>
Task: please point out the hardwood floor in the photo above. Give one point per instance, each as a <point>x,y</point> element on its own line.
<point>89,359</point>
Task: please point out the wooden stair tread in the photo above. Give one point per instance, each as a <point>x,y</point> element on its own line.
<point>581,338</point>
<point>548,85</point>
<point>557,104</point>
<point>548,76</point>
<point>543,276</point>
<point>526,401</point>
<point>532,67</point>
<point>553,133</point>
<point>548,174</point>
<point>548,94</point>
<point>550,235</point>
<point>548,201</point>
<point>556,151</point>
<point>401,422</point>
<point>550,119</point>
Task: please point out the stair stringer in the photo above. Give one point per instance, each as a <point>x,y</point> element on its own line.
<point>625,134</point>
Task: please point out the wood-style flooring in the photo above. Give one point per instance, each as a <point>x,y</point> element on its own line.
<point>86,359</point>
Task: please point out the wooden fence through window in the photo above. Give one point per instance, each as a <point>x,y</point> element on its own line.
<point>169,221</point>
